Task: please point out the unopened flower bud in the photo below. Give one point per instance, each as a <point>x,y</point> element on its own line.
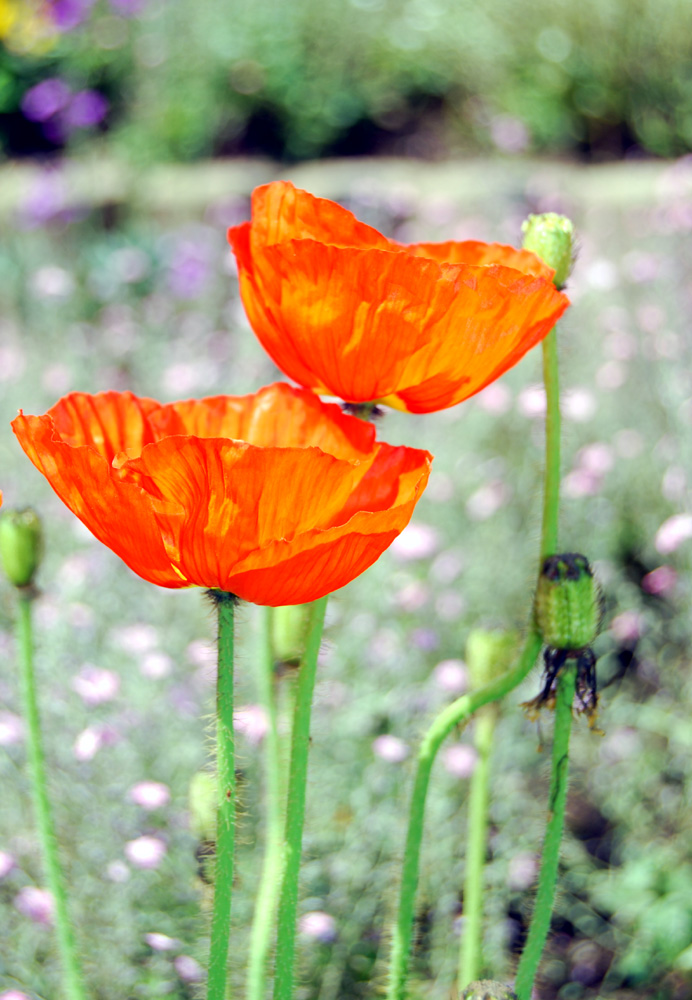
<point>488,654</point>
<point>568,602</point>
<point>551,237</point>
<point>21,543</point>
<point>203,806</point>
<point>487,989</point>
<point>288,632</point>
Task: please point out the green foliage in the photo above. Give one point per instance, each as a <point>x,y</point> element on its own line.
<point>190,78</point>
<point>91,307</point>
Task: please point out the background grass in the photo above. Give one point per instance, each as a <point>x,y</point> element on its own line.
<point>110,296</point>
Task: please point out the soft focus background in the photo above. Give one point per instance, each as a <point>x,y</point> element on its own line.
<point>114,273</point>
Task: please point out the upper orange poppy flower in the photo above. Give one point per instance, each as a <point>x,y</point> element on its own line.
<point>347,312</point>
<point>276,497</point>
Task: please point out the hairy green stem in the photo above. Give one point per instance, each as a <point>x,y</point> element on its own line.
<point>458,713</point>
<point>295,805</point>
<point>540,922</point>
<point>270,882</point>
<point>226,801</point>
<point>551,490</point>
<point>470,956</point>
<point>72,973</point>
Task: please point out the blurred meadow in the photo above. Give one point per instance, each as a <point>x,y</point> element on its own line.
<point>115,274</point>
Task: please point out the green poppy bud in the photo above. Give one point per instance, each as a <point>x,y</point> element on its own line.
<point>289,626</point>
<point>203,805</point>
<point>21,544</point>
<point>487,989</point>
<point>551,237</point>
<point>488,654</point>
<point>567,606</point>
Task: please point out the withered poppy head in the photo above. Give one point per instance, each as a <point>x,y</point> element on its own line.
<point>275,497</point>
<point>345,311</point>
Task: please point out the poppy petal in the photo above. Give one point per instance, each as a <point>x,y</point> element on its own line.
<point>482,254</point>
<point>276,416</point>
<point>118,513</point>
<point>282,212</point>
<point>333,309</point>
<point>237,498</point>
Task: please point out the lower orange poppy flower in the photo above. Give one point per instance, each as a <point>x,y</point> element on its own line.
<point>275,497</point>
<point>349,313</point>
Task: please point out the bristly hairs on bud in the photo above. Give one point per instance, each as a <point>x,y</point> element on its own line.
<point>551,237</point>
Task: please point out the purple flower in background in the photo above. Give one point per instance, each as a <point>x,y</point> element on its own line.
<point>45,201</point>
<point>45,99</point>
<point>36,904</point>
<point>318,925</point>
<point>145,852</point>
<point>86,109</point>
<point>7,863</point>
<point>67,14</point>
<point>189,269</point>
<point>150,794</point>
<point>11,729</point>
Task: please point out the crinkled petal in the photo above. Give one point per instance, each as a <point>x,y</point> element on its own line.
<point>281,212</point>
<point>479,253</point>
<point>367,324</point>
<point>318,562</point>
<point>119,514</point>
<point>237,498</point>
<point>108,422</point>
<point>276,416</point>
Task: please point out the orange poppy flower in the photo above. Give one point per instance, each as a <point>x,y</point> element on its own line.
<point>276,497</point>
<point>347,312</point>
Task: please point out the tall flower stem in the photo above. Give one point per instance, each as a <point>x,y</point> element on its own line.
<point>226,801</point>
<point>458,713</point>
<point>471,935</point>
<point>72,973</point>
<point>270,882</point>
<point>462,709</point>
<point>540,922</point>
<point>295,805</point>
<point>551,490</point>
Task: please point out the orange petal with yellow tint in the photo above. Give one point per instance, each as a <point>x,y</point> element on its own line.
<point>307,502</point>
<point>119,514</point>
<point>343,310</point>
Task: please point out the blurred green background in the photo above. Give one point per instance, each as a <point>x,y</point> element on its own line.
<point>115,273</point>
<point>179,79</point>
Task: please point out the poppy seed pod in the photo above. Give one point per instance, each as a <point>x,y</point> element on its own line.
<point>567,605</point>
<point>21,543</point>
<point>487,989</point>
<point>551,237</point>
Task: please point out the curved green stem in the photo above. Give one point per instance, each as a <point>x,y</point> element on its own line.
<point>226,801</point>
<point>540,922</point>
<point>73,982</point>
<point>270,882</point>
<point>458,713</point>
<point>551,490</point>
<point>471,935</point>
<point>295,805</point>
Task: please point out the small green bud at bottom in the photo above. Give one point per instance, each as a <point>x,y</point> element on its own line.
<point>487,989</point>
<point>203,806</point>
<point>289,627</point>
<point>551,237</point>
<point>21,545</point>
<point>488,654</point>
